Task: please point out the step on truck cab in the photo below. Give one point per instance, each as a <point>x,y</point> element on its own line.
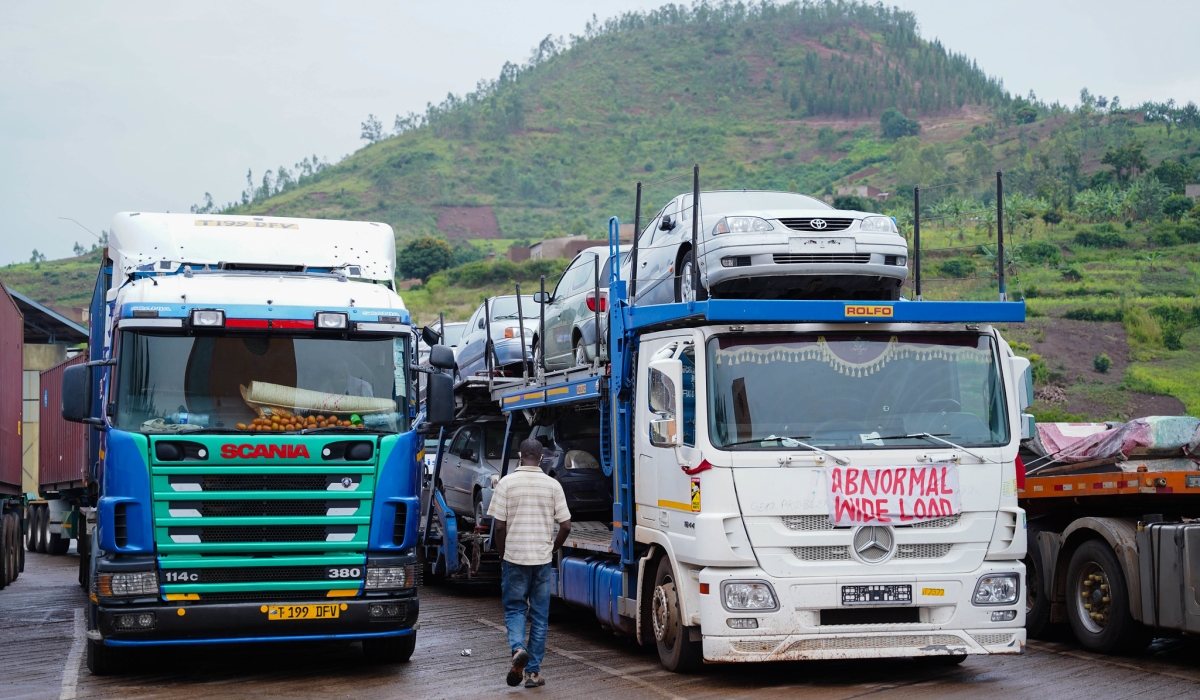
<point>253,411</point>
<point>802,479</point>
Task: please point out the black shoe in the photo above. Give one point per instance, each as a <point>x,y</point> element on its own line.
<point>517,670</point>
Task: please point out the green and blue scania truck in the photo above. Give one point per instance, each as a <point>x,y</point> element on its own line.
<point>253,462</point>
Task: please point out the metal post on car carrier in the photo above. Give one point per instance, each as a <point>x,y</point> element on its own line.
<point>637,230</point>
<point>695,232</point>
<point>1000,233</point>
<point>541,360</point>
<point>504,457</point>
<point>917,240</point>
<point>596,311</point>
<point>521,326</point>
<point>488,348</point>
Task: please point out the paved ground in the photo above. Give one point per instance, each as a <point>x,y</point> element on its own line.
<point>41,657</point>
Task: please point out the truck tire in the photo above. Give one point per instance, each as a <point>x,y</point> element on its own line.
<point>7,574</point>
<point>104,660</point>
<point>14,545</point>
<point>1037,604</point>
<point>1101,622</point>
<point>58,545</point>
<point>42,523</point>
<point>389,650</point>
<point>30,530</point>
<point>676,650</point>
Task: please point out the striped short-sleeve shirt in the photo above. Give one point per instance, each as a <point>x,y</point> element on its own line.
<point>531,504</point>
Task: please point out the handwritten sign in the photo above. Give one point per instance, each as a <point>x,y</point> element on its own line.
<point>892,495</point>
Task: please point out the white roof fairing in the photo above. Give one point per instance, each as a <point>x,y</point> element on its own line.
<point>258,289</point>
<point>167,241</point>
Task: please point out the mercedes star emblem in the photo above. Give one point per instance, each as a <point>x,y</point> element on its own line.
<point>818,224</point>
<point>873,543</point>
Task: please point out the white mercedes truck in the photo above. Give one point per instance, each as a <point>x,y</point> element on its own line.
<point>800,479</point>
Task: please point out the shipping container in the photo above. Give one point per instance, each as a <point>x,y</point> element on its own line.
<point>62,452</point>
<point>12,344</point>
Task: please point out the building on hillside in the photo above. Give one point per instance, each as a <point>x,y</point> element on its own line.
<point>1192,191</point>
<point>566,247</point>
<point>518,253</point>
<point>863,191</point>
<point>49,336</point>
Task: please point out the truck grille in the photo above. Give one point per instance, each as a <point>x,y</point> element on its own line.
<point>841,553</point>
<point>806,523</point>
<point>923,551</point>
<point>265,482</point>
<point>262,533</point>
<point>877,642</point>
<point>263,596</point>
<point>948,521</point>
<point>218,509</point>
<point>819,258</point>
<point>258,574</point>
<point>805,224</point>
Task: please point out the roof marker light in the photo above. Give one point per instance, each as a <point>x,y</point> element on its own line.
<point>330,321</point>
<point>207,318</point>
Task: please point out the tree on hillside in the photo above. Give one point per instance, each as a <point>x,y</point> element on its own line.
<point>423,258</point>
<point>1176,206</point>
<point>1174,174</point>
<point>896,125</point>
<point>1127,161</point>
<point>372,130</point>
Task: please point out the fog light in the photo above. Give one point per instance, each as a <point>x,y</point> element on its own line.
<point>208,318</point>
<point>1003,615</point>
<point>387,577</point>
<point>331,321</point>
<point>748,595</point>
<point>742,623</point>
<point>130,622</point>
<point>387,611</point>
<point>728,262</point>
<point>996,589</point>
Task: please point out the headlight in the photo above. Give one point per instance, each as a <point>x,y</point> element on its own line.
<point>125,585</point>
<point>749,595</point>
<point>742,224</point>
<point>997,589</point>
<point>578,459</point>
<point>384,577</point>
<point>878,224</point>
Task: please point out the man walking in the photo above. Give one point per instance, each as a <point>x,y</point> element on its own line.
<point>525,506</point>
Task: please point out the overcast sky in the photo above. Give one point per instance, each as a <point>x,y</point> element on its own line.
<point>107,107</point>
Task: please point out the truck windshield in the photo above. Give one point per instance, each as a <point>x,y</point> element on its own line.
<point>854,390</point>
<point>259,383</point>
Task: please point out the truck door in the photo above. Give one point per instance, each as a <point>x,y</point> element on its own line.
<point>664,491</point>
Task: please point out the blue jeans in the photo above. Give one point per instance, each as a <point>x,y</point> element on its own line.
<point>525,589</point>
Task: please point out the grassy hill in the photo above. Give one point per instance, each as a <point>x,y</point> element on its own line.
<point>791,97</point>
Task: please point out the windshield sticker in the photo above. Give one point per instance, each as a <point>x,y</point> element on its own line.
<point>896,495</point>
<point>399,366</point>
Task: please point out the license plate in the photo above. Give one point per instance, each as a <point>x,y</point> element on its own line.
<point>882,594</point>
<point>820,244</point>
<point>326,611</point>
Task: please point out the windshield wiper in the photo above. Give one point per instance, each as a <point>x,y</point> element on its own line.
<point>936,438</point>
<point>332,428</point>
<point>777,438</point>
<point>511,316</point>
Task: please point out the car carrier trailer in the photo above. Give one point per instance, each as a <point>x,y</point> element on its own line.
<point>747,526</point>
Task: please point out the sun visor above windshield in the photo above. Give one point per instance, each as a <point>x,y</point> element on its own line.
<point>142,242</point>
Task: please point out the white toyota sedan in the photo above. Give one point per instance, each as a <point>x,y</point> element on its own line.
<point>769,245</point>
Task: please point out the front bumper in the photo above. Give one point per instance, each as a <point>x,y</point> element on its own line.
<point>949,624</point>
<point>247,622</point>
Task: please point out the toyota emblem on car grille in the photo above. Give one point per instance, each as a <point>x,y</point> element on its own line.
<point>818,224</point>
<point>873,543</point>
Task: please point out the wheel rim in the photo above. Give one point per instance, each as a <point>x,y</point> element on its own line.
<point>580,355</point>
<point>1093,597</point>
<point>663,609</point>
<point>538,371</point>
<point>685,282</point>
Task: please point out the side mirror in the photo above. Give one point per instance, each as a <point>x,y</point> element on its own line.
<point>541,297</point>
<point>430,336</point>
<point>667,223</point>
<point>441,357</point>
<point>439,398</point>
<point>482,324</point>
<point>468,455</point>
<point>1024,376</point>
<point>666,401</point>
<point>77,395</point>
